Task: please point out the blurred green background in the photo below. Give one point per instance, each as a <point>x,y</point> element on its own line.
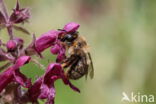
<point>122,39</point>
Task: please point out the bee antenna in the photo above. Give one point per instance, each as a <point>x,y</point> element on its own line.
<point>61,30</point>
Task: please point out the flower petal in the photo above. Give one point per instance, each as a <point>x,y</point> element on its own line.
<point>71,86</point>
<point>53,69</point>
<point>51,96</point>
<point>22,60</point>
<point>56,72</point>
<point>71,27</point>
<point>22,79</point>
<point>46,40</point>
<point>47,92</point>
<point>60,50</point>
<point>44,87</point>
<point>55,49</point>
<point>13,73</point>
<point>34,91</point>
<point>60,57</point>
<point>5,78</point>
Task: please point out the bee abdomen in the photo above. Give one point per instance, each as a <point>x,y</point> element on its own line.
<point>74,75</point>
<point>78,71</point>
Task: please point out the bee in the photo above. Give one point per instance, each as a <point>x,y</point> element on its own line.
<point>78,62</point>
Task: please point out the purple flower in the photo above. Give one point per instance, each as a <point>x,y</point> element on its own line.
<point>22,60</point>
<point>13,74</point>
<point>46,40</point>
<point>71,27</point>
<point>34,91</point>
<point>50,39</point>
<point>14,43</point>
<point>60,50</point>
<point>55,50</point>
<point>17,55</point>
<point>19,15</point>
<point>44,87</point>
<point>11,45</point>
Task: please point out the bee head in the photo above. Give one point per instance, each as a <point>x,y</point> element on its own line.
<point>68,37</point>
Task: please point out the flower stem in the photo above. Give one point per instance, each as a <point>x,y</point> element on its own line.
<point>10,32</point>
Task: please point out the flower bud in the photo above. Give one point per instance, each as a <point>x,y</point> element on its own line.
<point>60,51</point>
<point>55,50</point>
<point>22,60</point>
<point>11,45</point>
<point>19,15</point>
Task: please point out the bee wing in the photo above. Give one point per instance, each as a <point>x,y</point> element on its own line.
<point>91,68</point>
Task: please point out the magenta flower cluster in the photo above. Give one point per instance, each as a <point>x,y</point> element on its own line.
<point>17,55</point>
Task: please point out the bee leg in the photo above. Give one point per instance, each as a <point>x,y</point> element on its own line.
<point>69,61</point>
<point>71,73</point>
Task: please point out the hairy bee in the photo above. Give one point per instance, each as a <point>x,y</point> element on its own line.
<point>78,61</point>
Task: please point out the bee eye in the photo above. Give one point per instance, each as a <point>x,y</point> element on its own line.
<point>69,37</point>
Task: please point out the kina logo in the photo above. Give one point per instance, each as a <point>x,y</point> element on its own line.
<point>137,97</point>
